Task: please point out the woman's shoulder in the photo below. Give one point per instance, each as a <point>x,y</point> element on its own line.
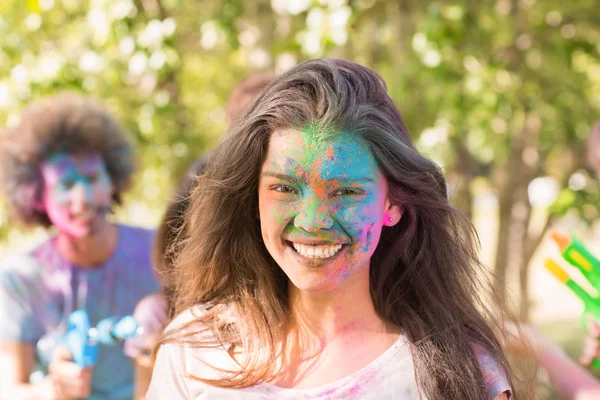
<point>177,361</point>
<point>493,372</point>
<point>195,315</point>
<point>193,331</point>
<point>193,349</point>
<point>187,321</point>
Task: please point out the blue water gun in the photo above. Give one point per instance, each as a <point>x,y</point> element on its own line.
<point>83,340</point>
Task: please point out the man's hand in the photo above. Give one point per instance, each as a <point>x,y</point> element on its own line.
<point>69,381</point>
<point>152,315</point>
<point>523,339</point>
<point>591,343</point>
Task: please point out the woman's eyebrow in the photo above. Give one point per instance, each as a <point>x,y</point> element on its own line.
<point>350,179</point>
<point>338,179</point>
<point>283,177</point>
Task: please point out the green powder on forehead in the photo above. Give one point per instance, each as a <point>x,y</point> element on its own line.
<point>316,134</point>
<point>317,139</point>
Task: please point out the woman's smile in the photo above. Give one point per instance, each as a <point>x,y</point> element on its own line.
<point>313,255</point>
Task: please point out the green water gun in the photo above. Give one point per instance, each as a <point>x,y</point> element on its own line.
<point>574,252</point>
<point>578,256</point>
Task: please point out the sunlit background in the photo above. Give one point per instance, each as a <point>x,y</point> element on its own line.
<point>502,94</point>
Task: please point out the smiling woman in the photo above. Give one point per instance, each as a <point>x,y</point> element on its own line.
<point>323,261</point>
<point>323,205</point>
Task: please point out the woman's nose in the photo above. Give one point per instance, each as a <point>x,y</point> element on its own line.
<point>313,215</point>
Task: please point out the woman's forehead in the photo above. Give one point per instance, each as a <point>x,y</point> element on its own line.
<point>307,146</point>
<point>331,156</point>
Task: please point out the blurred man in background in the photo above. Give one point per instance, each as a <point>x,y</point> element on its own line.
<point>64,167</point>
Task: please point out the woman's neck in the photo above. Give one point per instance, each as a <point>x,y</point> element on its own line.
<point>332,334</point>
<point>346,310</point>
<point>90,251</point>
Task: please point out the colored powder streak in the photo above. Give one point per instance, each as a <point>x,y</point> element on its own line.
<point>331,161</point>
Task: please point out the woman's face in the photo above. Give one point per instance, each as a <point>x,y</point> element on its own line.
<point>77,193</point>
<point>322,203</point>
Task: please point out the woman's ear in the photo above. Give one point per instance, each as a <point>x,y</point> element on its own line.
<point>392,214</point>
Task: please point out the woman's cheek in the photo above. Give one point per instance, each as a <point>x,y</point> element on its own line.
<point>359,216</point>
<point>279,213</point>
<point>360,224</point>
<point>349,221</point>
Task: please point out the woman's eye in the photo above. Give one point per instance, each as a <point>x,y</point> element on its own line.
<point>285,189</point>
<point>345,192</point>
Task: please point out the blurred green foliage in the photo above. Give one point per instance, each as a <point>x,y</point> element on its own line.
<point>488,89</point>
<point>502,91</point>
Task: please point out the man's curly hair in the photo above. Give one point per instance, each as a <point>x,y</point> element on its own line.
<point>66,123</point>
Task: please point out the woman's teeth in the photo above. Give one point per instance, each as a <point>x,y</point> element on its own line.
<point>317,251</point>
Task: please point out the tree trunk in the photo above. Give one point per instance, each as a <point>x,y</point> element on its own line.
<point>462,198</point>
<point>501,261</point>
<point>531,244</point>
<point>519,235</point>
<point>515,241</point>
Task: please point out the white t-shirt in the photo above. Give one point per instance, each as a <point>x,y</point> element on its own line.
<point>389,376</point>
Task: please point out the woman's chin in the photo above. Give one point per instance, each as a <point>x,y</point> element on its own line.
<point>315,281</point>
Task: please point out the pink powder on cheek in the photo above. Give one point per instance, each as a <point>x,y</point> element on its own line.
<point>61,219</point>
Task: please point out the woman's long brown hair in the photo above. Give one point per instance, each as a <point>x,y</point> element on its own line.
<point>425,274</point>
